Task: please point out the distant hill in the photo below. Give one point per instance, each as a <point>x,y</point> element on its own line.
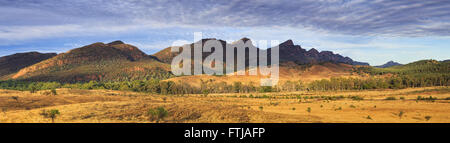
<point>422,67</point>
<point>114,61</point>
<point>13,63</point>
<point>389,64</point>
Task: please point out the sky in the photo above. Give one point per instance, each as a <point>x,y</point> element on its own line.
<point>373,31</point>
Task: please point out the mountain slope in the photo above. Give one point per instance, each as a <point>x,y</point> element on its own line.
<point>389,64</point>
<point>13,63</point>
<point>115,61</point>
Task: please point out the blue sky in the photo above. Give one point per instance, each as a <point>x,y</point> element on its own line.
<point>374,31</point>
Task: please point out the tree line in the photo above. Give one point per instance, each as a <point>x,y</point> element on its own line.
<point>211,86</point>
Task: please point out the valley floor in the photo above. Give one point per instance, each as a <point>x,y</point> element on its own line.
<point>104,106</point>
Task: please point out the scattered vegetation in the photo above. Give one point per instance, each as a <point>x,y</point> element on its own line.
<point>430,98</point>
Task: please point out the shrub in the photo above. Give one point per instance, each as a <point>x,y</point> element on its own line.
<point>4,109</point>
<point>293,109</point>
<point>390,98</point>
<point>157,114</point>
<point>369,118</point>
<point>357,98</point>
<point>308,110</point>
<point>205,93</point>
<point>274,103</point>
<point>402,98</point>
<point>427,118</point>
<point>15,98</point>
<point>261,108</point>
<point>52,114</point>
<point>352,106</point>
<point>53,91</point>
<point>400,114</point>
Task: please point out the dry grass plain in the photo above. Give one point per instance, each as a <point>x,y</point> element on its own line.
<point>103,106</point>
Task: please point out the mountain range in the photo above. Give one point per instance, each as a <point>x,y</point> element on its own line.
<point>118,61</point>
<point>295,53</point>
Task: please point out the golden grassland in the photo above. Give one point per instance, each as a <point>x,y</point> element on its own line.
<point>104,106</point>
<point>288,72</point>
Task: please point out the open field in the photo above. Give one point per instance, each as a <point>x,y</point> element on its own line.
<point>104,106</point>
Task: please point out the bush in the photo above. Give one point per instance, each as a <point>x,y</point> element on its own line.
<point>400,114</point>
<point>4,110</point>
<point>15,98</point>
<point>53,91</point>
<point>357,98</point>
<point>157,114</point>
<point>390,98</point>
<point>274,103</point>
<point>427,118</point>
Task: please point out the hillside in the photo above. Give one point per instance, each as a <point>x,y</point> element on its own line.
<point>114,61</point>
<point>13,63</point>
